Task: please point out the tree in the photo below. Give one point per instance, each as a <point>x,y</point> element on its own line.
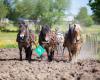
<point>82,14</point>
<point>95,6</point>
<point>47,11</point>
<point>25,8</point>
<point>50,11</point>
<point>21,8</point>
<point>3,13</point>
<point>3,9</point>
<point>84,18</point>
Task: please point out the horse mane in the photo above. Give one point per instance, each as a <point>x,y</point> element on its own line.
<point>45,29</point>
<point>70,33</point>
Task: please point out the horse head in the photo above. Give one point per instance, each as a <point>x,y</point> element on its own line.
<point>45,31</point>
<point>23,31</point>
<point>76,33</point>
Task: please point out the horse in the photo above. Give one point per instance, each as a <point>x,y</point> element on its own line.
<point>60,40</point>
<point>25,38</point>
<point>73,40</point>
<point>47,39</point>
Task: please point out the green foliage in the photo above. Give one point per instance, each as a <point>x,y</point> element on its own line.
<point>95,6</point>
<point>82,14</point>
<point>88,21</point>
<point>3,9</point>
<point>84,18</point>
<point>47,11</point>
<point>24,8</point>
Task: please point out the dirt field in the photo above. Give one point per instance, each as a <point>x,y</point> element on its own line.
<point>13,69</point>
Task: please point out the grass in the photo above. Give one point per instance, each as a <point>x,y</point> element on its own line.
<point>8,35</point>
<point>92,29</point>
<point>11,28</point>
<point>8,40</point>
<point>8,44</point>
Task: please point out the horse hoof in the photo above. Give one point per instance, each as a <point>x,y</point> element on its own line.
<point>20,59</point>
<point>64,60</point>
<point>50,60</point>
<point>26,58</point>
<point>69,60</point>
<point>29,61</point>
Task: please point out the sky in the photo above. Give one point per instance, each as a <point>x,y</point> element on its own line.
<point>77,4</point>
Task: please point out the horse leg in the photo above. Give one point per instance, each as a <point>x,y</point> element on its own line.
<point>20,54</point>
<point>57,48</point>
<point>70,55</point>
<point>74,55</point>
<point>51,55</point>
<point>26,52</point>
<point>63,52</point>
<point>48,54</point>
<point>61,49</point>
<point>29,53</point>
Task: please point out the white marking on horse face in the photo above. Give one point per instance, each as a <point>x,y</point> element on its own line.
<point>21,35</point>
<point>47,38</point>
<point>78,37</point>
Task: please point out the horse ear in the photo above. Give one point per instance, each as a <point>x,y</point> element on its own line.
<point>74,26</point>
<point>69,26</point>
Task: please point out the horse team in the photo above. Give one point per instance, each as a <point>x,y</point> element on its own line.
<point>49,40</point>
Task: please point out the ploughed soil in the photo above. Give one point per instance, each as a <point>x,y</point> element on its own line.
<point>13,69</point>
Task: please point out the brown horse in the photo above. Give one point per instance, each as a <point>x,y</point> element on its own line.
<point>47,39</point>
<point>25,38</point>
<point>73,40</point>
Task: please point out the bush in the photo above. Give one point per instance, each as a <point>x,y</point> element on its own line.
<point>88,21</point>
<point>8,27</point>
<point>84,18</point>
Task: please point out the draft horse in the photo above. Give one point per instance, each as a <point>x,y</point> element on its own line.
<point>25,38</point>
<point>73,40</point>
<point>47,39</point>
